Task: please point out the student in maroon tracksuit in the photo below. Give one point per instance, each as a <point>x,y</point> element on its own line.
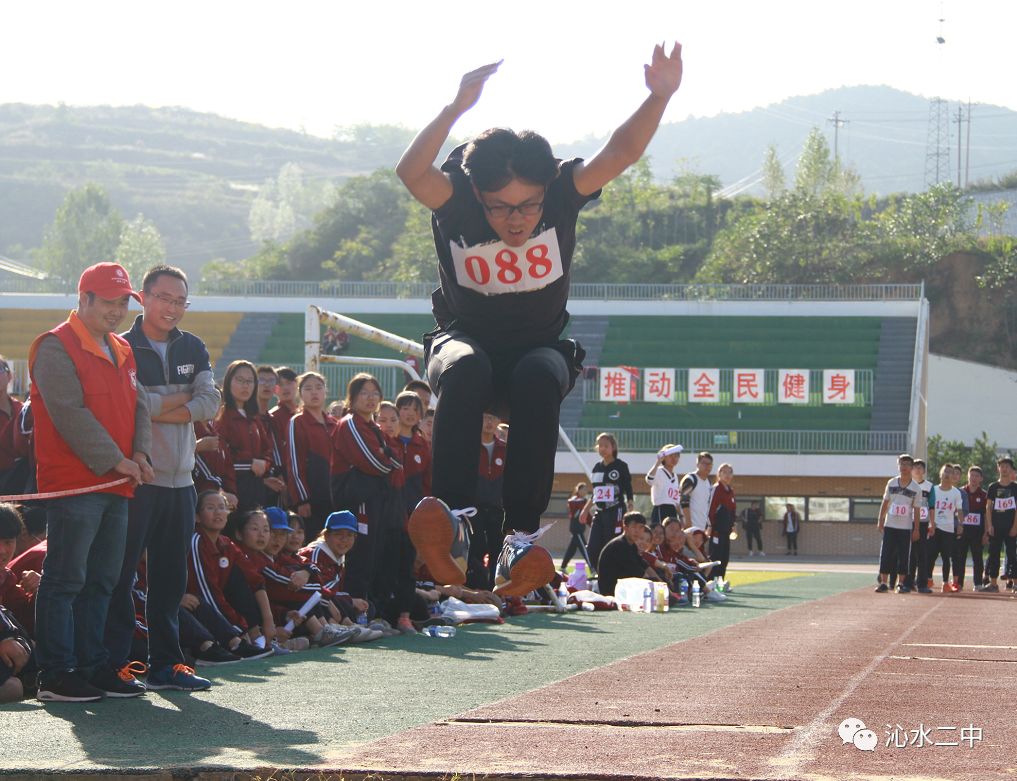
<point>213,466</point>
<point>973,535</point>
<point>487,537</point>
<point>217,592</point>
<point>309,454</point>
<point>327,554</point>
<point>414,452</point>
<point>288,397</point>
<point>248,444</point>
<point>252,535</point>
<point>722,518</point>
<point>381,567</point>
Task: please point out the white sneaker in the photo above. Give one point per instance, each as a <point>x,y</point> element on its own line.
<point>762,553</point>
<point>714,595</point>
<point>752,553</point>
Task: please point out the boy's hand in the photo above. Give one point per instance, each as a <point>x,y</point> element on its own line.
<point>664,73</point>
<point>471,86</point>
<point>30,581</point>
<point>299,579</point>
<point>13,654</point>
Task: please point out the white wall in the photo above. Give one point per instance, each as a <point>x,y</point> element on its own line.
<point>754,464</point>
<point>967,398</point>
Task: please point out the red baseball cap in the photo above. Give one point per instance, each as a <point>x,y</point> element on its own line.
<point>107,280</point>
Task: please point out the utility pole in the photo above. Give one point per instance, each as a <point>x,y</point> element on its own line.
<point>837,122</point>
<point>937,145</point>
<point>967,152</point>
<point>960,132</point>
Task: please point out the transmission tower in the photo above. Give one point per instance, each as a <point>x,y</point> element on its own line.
<point>937,143</point>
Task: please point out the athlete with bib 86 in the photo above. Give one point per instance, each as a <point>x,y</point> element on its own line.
<point>504,214</point>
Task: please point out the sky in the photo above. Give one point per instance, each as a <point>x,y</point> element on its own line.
<point>570,69</point>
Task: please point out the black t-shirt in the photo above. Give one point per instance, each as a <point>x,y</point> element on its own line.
<point>505,296</point>
<point>612,484</point>
<point>1003,501</point>
<point>619,559</point>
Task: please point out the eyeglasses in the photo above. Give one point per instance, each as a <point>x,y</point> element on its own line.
<point>267,381</point>
<point>176,303</point>
<point>503,211</point>
<point>242,381</point>
<point>4,367</point>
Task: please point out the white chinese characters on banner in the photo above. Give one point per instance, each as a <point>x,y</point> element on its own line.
<point>747,386</point>
<point>616,384</point>
<point>838,386</point>
<point>704,385</point>
<point>793,386</point>
<point>658,385</point>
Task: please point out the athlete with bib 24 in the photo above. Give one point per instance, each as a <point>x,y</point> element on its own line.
<point>504,213</point>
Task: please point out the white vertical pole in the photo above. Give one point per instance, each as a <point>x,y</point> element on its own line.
<point>312,339</point>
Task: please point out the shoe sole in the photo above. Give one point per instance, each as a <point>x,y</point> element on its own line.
<point>262,655</point>
<point>432,533</point>
<point>158,687</point>
<point>45,696</point>
<point>123,695</point>
<point>203,663</point>
<point>531,571</point>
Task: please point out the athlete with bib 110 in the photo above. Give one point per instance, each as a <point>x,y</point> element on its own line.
<point>504,213</point>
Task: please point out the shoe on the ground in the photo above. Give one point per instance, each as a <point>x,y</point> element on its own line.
<point>383,626</point>
<point>514,606</point>
<point>120,683</point>
<point>248,651</point>
<point>67,686</point>
<point>405,627</point>
<point>715,595</point>
<point>925,590</point>
<point>752,553</point>
<point>441,536</point>
<point>991,588</point>
<point>522,566</point>
<point>332,634</point>
<point>931,583</point>
<point>214,655</point>
<point>280,650</point>
<point>882,588</point>
<point>946,588</point>
<point>903,589</point>
<point>297,644</point>
<point>762,553</point>
<point>364,634</point>
<point>179,677</point>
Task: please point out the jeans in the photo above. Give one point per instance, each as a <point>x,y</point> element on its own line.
<point>160,520</point>
<point>86,548</point>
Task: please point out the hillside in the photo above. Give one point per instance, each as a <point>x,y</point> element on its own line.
<point>195,175</point>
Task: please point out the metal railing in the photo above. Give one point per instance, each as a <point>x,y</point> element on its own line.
<point>864,380</point>
<point>582,291</point>
<point>748,441</point>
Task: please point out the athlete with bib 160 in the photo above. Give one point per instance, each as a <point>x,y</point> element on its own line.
<point>504,213</point>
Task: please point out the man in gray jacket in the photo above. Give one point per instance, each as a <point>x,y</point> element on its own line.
<point>174,368</point>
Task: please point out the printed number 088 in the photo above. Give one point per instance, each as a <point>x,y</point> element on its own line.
<point>507,262</point>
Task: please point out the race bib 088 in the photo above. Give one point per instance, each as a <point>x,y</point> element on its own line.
<point>496,268</point>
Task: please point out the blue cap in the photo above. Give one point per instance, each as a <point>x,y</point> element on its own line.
<point>343,519</point>
<point>277,518</point>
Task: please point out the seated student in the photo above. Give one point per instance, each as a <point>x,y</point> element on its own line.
<point>657,569</point>
<point>252,534</point>
<point>327,554</point>
<point>657,537</point>
<point>620,557</point>
<point>674,552</point>
<point>17,658</point>
<point>217,593</point>
<point>17,590</point>
<point>34,518</point>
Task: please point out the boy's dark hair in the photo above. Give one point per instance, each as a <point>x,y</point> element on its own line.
<point>499,155</point>
<point>408,398</point>
<point>1005,460</point>
<point>286,373</point>
<point>266,369</point>
<point>162,270</point>
<point>919,462</point>
<point>413,385</point>
<point>11,525</point>
<point>633,517</point>
<point>905,457</point>
<point>34,517</point>
<point>975,469</point>
<point>705,454</point>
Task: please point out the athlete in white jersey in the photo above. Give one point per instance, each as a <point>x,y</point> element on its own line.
<point>948,505</point>
<point>898,524</point>
<point>696,491</point>
<point>664,485</point>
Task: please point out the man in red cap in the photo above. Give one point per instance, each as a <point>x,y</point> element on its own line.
<point>92,428</point>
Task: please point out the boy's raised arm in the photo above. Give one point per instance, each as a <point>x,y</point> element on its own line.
<point>416,167</point>
<point>629,141</point>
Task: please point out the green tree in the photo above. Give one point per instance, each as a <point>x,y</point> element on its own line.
<point>287,204</point>
<point>773,174</point>
<point>982,453</point>
<point>141,247</point>
<point>815,171</point>
<point>86,230</point>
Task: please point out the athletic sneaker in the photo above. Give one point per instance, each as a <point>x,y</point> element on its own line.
<point>405,627</point>
<point>882,588</point>
<point>991,587</point>
<point>297,644</point>
<point>365,634</point>
<point>248,651</point>
<point>333,635</point>
<point>120,683</point>
<point>67,686</point>
<point>903,589</point>
<point>383,626</point>
<point>179,677</point>
<point>925,590</point>
<point>214,655</point>
<point>713,595</point>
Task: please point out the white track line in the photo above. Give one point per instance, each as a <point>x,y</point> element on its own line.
<point>795,756</point>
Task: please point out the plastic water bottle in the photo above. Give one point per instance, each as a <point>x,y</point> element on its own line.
<point>440,631</point>
<point>435,609</point>
<point>683,591</point>
<point>362,619</point>
<point>696,595</point>
<point>579,579</point>
<point>563,592</point>
<point>647,599</point>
